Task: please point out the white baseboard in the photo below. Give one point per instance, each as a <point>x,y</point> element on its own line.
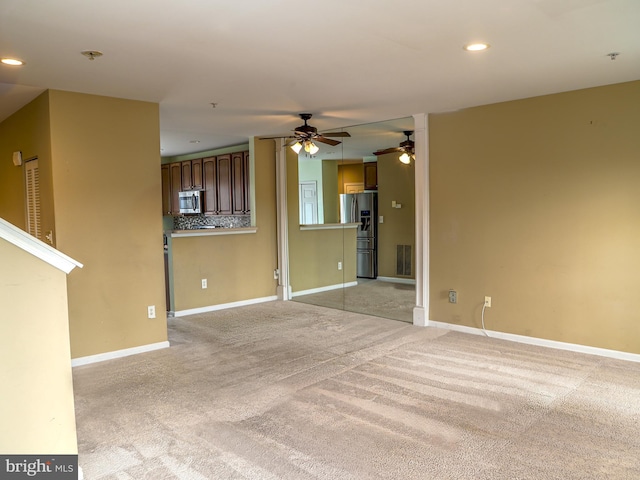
<point>420,317</point>
<point>324,289</point>
<point>101,357</point>
<point>224,306</point>
<point>408,281</point>
<point>541,342</point>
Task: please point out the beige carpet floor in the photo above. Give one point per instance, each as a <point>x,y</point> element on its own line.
<point>372,297</point>
<point>285,390</point>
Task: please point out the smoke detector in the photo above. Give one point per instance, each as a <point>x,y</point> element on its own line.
<point>92,54</point>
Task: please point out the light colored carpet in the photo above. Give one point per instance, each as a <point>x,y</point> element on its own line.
<point>291,391</point>
<point>371,297</point>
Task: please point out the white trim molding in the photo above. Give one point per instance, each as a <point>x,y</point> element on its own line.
<point>324,289</point>
<point>37,248</point>
<point>540,342</point>
<point>284,289</point>
<point>329,226</point>
<point>421,140</point>
<point>101,357</point>
<point>223,306</point>
<point>212,231</point>
<point>407,281</point>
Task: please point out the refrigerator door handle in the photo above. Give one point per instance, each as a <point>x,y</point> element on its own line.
<point>354,209</point>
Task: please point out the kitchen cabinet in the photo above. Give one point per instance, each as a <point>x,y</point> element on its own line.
<point>175,173</point>
<point>166,190</point>
<point>370,175</point>
<point>241,184</point>
<point>247,184</point>
<point>191,174</point>
<point>224,181</point>
<point>171,185</point>
<point>224,184</point>
<point>209,185</point>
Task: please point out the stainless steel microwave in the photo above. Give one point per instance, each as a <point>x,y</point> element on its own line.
<point>190,201</point>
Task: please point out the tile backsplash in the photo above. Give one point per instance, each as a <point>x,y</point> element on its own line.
<point>188,222</point>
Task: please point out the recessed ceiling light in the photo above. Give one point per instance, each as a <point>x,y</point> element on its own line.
<point>194,141</point>
<point>12,61</point>
<point>476,47</point>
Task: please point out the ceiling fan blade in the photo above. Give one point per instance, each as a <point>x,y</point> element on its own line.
<point>276,137</point>
<point>388,150</point>
<point>328,141</point>
<point>336,134</point>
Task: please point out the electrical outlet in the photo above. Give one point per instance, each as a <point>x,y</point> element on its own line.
<point>453,296</point>
<point>276,274</point>
<point>204,283</point>
<point>339,265</point>
<point>487,301</point>
<point>151,311</point>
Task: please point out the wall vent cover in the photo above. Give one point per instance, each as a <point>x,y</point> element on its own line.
<point>403,260</point>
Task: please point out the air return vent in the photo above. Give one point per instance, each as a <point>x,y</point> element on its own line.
<point>403,260</point>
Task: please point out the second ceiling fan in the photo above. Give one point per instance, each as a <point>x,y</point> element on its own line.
<point>406,149</point>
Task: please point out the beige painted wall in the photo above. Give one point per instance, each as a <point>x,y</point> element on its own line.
<point>350,173</point>
<point>314,254</point>
<point>237,267</point>
<point>330,191</point>
<point>36,406</point>
<point>536,203</point>
<point>27,131</point>
<point>396,182</point>
<point>107,194</point>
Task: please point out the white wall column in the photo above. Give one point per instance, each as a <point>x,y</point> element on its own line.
<point>421,139</point>
<point>282,219</point>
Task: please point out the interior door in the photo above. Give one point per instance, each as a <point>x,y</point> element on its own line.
<point>308,203</point>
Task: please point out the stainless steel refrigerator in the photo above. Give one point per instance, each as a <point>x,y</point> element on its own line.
<point>362,208</point>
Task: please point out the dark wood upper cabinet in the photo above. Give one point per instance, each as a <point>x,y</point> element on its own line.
<point>186,175</point>
<point>166,190</point>
<point>247,184</point>
<point>370,175</point>
<point>224,184</point>
<point>224,181</point>
<point>196,174</point>
<point>239,199</point>
<point>209,185</point>
<point>192,174</point>
<point>175,169</point>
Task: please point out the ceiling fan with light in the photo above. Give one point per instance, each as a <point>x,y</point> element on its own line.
<point>406,149</point>
<point>304,136</point>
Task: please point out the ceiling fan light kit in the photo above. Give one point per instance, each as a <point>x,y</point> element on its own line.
<point>406,149</point>
<point>311,147</point>
<point>305,135</point>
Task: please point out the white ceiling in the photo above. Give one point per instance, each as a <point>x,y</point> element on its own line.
<point>346,61</point>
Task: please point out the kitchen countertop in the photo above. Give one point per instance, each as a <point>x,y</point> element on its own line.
<point>206,232</point>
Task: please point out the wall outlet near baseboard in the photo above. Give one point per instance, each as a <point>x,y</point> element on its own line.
<point>204,283</point>
<point>453,296</point>
<point>339,265</point>
<point>487,301</point>
<point>151,311</point>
